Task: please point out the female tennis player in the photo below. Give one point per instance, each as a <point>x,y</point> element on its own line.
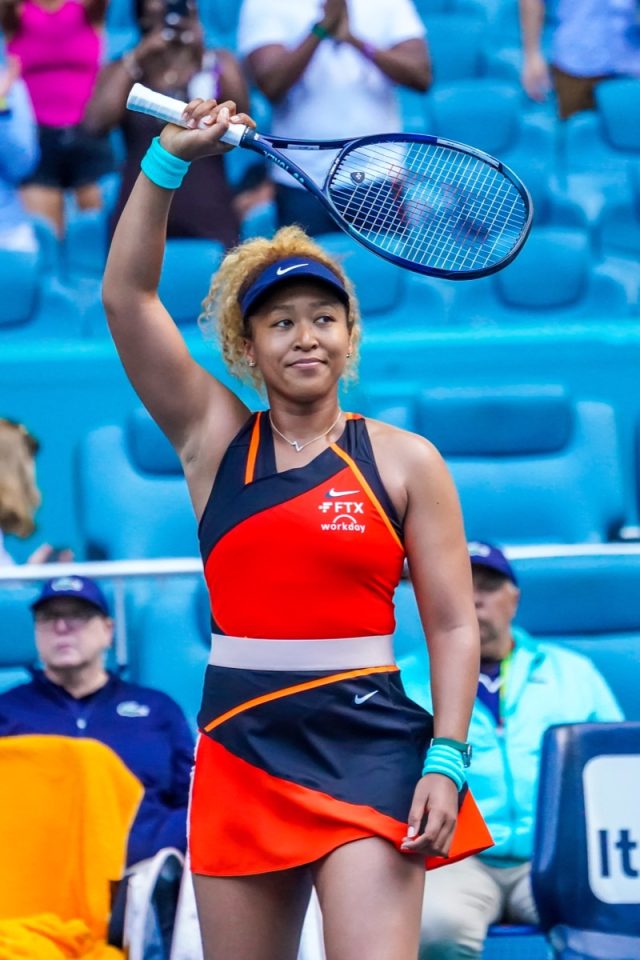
<point>313,767</point>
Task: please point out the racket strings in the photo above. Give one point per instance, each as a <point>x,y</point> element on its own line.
<point>431,205</point>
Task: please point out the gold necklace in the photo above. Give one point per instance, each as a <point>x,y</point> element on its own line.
<point>299,447</point>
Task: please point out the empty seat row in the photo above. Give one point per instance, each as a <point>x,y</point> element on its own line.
<point>556,280</point>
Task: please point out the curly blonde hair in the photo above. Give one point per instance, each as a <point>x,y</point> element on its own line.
<point>238,270</point>
<point>19,494</point>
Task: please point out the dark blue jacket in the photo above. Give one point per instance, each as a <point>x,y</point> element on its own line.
<point>145,727</point>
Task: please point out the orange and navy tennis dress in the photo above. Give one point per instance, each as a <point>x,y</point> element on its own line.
<point>308,740</point>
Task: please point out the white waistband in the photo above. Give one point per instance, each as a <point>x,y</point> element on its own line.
<point>345,653</point>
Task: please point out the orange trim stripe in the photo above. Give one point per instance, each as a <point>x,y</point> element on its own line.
<point>253,451</point>
<point>347,459</point>
<point>297,688</point>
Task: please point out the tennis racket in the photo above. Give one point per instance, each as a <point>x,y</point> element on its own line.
<point>430,205</point>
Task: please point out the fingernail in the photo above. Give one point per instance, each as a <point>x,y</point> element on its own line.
<point>208,120</point>
<point>224,115</point>
<point>411,832</point>
<point>235,118</point>
<point>192,123</point>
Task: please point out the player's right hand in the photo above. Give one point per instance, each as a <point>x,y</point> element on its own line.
<point>208,120</point>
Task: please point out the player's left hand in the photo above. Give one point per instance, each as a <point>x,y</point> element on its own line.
<point>208,121</point>
<point>432,817</point>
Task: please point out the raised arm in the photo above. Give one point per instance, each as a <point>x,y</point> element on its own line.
<point>276,68</point>
<point>407,64</point>
<point>198,414</point>
<point>10,17</point>
<point>96,10</point>
<point>535,70</point>
<point>108,103</point>
<point>233,83</point>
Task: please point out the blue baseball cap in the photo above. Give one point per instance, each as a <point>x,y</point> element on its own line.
<point>290,268</point>
<point>81,588</point>
<point>484,554</point>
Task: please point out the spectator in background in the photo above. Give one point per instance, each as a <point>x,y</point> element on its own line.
<point>525,686</point>
<point>18,156</point>
<point>330,70</point>
<point>172,60</point>
<point>592,40</point>
<point>74,695</point>
<point>19,494</point>
<point>58,44</point>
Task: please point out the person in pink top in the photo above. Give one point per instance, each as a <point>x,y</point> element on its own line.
<point>58,43</point>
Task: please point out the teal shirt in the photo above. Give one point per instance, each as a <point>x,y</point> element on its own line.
<point>546,684</point>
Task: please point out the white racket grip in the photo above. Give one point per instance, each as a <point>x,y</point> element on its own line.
<point>144,100</point>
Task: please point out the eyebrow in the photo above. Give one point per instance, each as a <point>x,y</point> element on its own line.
<point>324,302</point>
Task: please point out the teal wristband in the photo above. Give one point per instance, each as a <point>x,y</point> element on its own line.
<point>446,761</point>
<point>320,32</point>
<point>163,168</point>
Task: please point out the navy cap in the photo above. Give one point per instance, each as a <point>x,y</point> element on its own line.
<point>82,588</point>
<point>486,555</point>
<point>291,268</point>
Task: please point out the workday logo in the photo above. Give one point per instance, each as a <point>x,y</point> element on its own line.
<point>341,513</point>
<point>612,808</point>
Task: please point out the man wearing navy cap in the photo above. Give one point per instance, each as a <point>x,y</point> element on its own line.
<point>525,686</point>
<point>74,695</point>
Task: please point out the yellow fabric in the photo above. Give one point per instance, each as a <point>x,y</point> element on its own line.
<point>66,807</point>
<point>46,937</point>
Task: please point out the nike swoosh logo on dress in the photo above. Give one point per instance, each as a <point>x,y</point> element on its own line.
<point>367,696</point>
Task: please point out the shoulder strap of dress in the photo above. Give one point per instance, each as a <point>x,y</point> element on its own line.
<point>252,452</point>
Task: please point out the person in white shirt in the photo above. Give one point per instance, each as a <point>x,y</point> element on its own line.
<point>330,69</point>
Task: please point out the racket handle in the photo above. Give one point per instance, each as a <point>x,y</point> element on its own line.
<point>143,100</point>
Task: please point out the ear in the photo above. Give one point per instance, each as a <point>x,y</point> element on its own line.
<point>110,630</point>
<point>249,353</point>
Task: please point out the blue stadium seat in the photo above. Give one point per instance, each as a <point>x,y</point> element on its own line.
<point>186,276</point>
<point>509,941</point>
<point>187,270</point>
<point>34,304</point>
<point>591,604</point>
<point>180,616</point>
<point>379,284</point>
<point>617,236</point>
<point>17,650</point>
<point>554,280</point>
<point>85,243</point>
<point>261,221</point>
<point>133,499</point>
<point>584,870</point>
<point>531,465</point>
<point>457,46</point>
<point>121,31</point>
<point>487,114</point>
<point>48,244</point>
<point>490,114</point>
<point>390,298</point>
<point>220,22</point>
<point>602,148</point>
